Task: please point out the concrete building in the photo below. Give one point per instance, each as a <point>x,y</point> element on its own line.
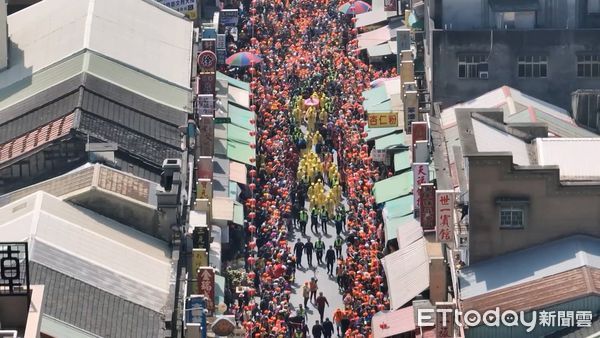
<point>523,188</point>
<point>547,49</point>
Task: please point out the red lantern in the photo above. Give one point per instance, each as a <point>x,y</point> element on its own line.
<point>252,186</point>
<point>252,145</point>
<point>253,108</point>
<point>252,70</point>
<point>252,121</point>
<point>252,173</point>
<point>252,133</point>
<point>251,274</point>
<point>252,160</point>
<point>252,245</point>
<point>251,216</point>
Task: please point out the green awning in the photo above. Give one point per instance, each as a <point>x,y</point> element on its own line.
<point>373,133</point>
<point>384,106</point>
<point>241,117</point>
<point>401,161</point>
<point>374,97</point>
<point>391,226</point>
<point>233,82</point>
<point>238,213</point>
<point>219,289</point>
<point>399,207</point>
<point>239,134</point>
<point>389,141</point>
<point>393,187</point>
<point>240,152</point>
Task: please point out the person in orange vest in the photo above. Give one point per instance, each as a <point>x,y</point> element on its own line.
<point>337,319</point>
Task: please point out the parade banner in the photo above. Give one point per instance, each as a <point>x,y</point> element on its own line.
<point>420,176</point>
<point>382,120</point>
<point>206,135</point>
<point>186,7</point>
<point>206,286</point>
<point>444,213</point>
<point>427,206</point>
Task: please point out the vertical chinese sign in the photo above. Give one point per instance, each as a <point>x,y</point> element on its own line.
<point>420,176</point>
<point>419,133</point>
<point>427,206</point>
<point>444,322</point>
<point>444,213</point>
<point>206,286</point>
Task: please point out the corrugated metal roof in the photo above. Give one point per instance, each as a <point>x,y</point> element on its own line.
<point>52,30</point>
<point>92,309</point>
<point>91,248</point>
<point>407,272</point>
<point>375,37</point>
<point>549,290</point>
<point>530,264</point>
<point>490,139</point>
<point>396,322</point>
<point>370,18</point>
<point>575,157</point>
<point>393,187</point>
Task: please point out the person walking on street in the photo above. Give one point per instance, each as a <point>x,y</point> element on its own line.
<point>339,272</point>
<point>308,248</point>
<point>324,219</point>
<point>313,289</point>
<point>338,223</point>
<point>345,322</point>
<point>319,250</point>
<point>330,259</point>
<point>337,319</point>
<point>302,312</point>
<point>314,225</point>
<point>305,293</point>
<point>303,216</point>
<point>317,330</point>
<point>321,302</point>
<point>298,248</point>
<point>328,328</point>
<point>343,214</point>
<point>338,243</point>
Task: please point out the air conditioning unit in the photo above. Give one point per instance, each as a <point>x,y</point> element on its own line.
<point>483,75</point>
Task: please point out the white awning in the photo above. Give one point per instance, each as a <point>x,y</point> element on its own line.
<point>237,172</point>
<point>407,272</point>
<point>393,86</point>
<point>197,218</point>
<point>214,255</point>
<point>238,96</point>
<point>409,232</point>
<point>370,18</point>
<point>379,50</point>
<point>375,37</point>
<point>222,208</point>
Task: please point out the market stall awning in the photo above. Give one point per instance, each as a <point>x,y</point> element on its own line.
<point>401,161</point>
<point>398,207</point>
<point>407,272</point>
<point>392,224</point>
<point>375,37</point>
<point>237,172</point>
<point>393,187</point>
<point>238,96</point>
<point>389,141</point>
<point>221,172</point>
<point>370,18</point>
<point>408,232</point>
<point>222,208</point>
<point>393,323</point>
<point>241,117</point>
<point>214,252</point>
<point>238,213</point>
<point>233,82</point>
<point>240,152</point>
<point>374,133</point>
<point>374,96</point>
<point>379,50</point>
<point>219,289</point>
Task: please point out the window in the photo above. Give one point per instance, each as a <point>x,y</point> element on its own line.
<point>473,67</point>
<point>588,65</point>
<point>512,217</point>
<point>533,66</point>
<point>593,6</point>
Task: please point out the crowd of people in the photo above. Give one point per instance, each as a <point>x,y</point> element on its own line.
<point>312,166</point>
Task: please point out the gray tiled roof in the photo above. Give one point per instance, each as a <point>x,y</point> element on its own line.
<point>92,309</point>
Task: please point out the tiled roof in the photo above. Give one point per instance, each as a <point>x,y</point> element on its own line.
<point>36,138</point>
<point>92,309</point>
<point>551,290</point>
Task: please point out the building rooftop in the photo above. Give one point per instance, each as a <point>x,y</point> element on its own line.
<point>91,248</point>
<point>574,157</point>
<point>528,265</point>
<point>52,30</point>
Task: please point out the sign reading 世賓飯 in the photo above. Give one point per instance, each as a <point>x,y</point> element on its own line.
<point>444,213</point>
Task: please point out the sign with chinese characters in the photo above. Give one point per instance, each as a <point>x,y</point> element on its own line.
<point>420,176</point>
<point>204,167</point>
<point>221,41</point>
<point>228,17</point>
<point>444,320</point>
<point>383,120</point>
<point>444,213</point>
<point>419,133</point>
<point>205,104</point>
<point>204,189</point>
<point>193,309</point>
<point>206,135</point>
<point>186,7</point>
<point>201,237</point>
<point>199,259</point>
<point>14,269</point>
<point>427,206</point>
<point>207,77</point>
<point>206,286</point>
<point>208,45</point>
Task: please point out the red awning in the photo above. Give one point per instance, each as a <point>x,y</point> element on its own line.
<point>390,323</point>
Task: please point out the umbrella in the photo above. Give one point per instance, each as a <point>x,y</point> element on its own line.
<point>357,7</point>
<point>310,102</point>
<point>243,59</point>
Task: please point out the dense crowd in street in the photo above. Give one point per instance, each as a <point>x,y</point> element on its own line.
<point>313,169</point>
